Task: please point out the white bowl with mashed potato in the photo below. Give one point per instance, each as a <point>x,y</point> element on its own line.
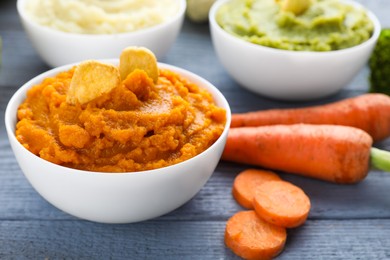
<point>68,31</point>
<point>109,197</point>
<point>293,69</point>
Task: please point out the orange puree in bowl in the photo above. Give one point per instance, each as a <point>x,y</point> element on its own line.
<point>137,126</point>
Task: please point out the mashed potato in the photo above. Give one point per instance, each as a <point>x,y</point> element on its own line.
<point>101,16</point>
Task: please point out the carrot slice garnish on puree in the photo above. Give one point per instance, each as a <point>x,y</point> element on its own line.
<point>251,237</point>
<point>133,58</point>
<point>281,203</point>
<point>92,78</point>
<point>246,183</point>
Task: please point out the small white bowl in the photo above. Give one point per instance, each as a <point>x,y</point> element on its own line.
<point>117,197</point>
<point>289,75</point>
<point>58,48</point>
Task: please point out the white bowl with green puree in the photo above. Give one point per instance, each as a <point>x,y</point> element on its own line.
<point>282,50</point>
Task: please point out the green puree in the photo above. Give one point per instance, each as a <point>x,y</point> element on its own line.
<point>326,25</point>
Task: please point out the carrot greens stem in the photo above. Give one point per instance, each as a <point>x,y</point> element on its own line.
<point>380,159</point>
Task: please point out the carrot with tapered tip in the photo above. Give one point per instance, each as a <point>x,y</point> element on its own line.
<point>369,112</point>
<point>339,154</point>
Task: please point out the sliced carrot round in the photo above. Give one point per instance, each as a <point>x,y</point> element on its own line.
<point>246,182</point>
<point>281,203</point>
<point>251,237</point>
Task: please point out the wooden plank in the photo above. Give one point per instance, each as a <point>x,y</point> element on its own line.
<point>346,221</point>
<point>360,239</point>
<point>9,19</point>
<point>329,201</point>
<point>214,201</point>
<point>20,62</point>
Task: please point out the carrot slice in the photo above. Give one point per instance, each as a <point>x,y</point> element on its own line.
<point>246,182</point>
<point>251,237</point>
<point>281,203</point>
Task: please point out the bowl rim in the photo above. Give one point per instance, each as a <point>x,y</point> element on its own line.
<point>375,34</point>
<point>11,115</point>
<point>22,14</point>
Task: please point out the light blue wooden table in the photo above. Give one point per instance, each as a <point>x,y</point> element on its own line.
<point>346,222</point>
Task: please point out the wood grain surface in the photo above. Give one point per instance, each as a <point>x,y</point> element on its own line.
<point>346,221</point>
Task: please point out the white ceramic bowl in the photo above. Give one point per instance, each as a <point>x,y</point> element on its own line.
<point>117,197</point>
<point>289,75</point>
<point>58,48</point>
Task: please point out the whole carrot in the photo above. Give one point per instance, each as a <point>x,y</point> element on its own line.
<point>339,154</point>
<point>369,112</point>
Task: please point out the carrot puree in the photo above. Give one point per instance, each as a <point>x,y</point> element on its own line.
<point>137,126</point>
